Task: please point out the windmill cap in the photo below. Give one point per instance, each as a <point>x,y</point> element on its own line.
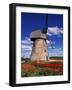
<point>41,33</point>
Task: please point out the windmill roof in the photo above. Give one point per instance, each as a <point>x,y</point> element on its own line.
<point>38,34</point>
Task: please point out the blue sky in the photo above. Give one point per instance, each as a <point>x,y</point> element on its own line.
<point>34,21</point>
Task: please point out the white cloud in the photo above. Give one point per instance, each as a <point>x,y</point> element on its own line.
<point>56,52</point>
<point>25,53</point>
<point>50,43</point>
<point>26,41</point>
<point>26,47</point>
<point>27,38</point>
<point>49,34</point>
<point>61,30</point>
<point>49,47</point>
<point>54,31</point>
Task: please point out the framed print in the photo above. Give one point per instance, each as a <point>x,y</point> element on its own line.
<point>39,44</point>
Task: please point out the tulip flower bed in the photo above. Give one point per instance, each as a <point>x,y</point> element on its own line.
<point>41,68</point>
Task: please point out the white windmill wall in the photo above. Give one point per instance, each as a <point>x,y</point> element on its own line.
<point>39,50</point>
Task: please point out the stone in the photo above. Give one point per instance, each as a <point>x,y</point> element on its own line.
<point>39,49</point>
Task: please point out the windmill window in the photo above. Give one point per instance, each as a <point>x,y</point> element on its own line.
<point>45,50</point>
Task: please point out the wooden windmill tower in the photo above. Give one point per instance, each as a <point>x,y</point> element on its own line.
<point>39,49</point>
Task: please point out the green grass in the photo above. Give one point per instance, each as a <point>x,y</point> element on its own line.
<point>56,57</point>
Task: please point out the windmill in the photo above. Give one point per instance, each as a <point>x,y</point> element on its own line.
<point>39,49</point>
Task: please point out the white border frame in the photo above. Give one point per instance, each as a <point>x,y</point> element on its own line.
<point>19,79</point>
